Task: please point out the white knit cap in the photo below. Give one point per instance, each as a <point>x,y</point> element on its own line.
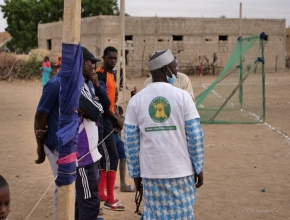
<point>160,61</point>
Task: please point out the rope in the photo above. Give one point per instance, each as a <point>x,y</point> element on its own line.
<point>97,145</point>
<point>71,173</point>
<point>138,199</point>
<point>40,199</point>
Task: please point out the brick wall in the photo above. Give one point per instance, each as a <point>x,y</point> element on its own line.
<point>188,38</point>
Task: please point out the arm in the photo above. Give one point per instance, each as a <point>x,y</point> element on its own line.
<point>48,100</point>
<point>89,106</point>
<point>101,93</point>
<point>132,148</point>
<point>195,136</point>
<point>40,122</point>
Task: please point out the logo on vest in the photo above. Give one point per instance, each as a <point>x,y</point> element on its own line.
<point>159,109</point>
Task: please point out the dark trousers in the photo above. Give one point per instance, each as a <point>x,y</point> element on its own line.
<point>110,157</point>
<point>87,205</point>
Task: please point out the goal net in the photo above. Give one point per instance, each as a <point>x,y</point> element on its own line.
<point>237,96</point>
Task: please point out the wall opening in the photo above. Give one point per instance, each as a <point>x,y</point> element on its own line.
<point>177,38</point>
<point>128,37</point>
<point>223,44</point>
<point>160,40</point>
<point>223,37</point>
<point>48,41</point>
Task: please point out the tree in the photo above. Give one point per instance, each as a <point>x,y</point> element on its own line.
<point>23,17</point>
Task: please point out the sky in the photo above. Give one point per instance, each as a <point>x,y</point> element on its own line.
<point>202,8</point>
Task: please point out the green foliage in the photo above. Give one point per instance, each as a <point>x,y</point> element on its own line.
<point>30,68</point>
<point>23,17</point>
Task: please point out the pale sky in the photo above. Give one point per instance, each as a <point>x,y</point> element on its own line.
<point>202,8</point>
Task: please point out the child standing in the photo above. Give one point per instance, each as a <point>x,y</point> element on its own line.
<point>121,151</point>
<point>4,198</point>
<point>45,70</point>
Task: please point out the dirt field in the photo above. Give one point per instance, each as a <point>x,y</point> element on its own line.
<point>240,160</point>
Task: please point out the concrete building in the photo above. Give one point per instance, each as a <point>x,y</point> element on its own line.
<point>288,41</point>
<point>188,38</point>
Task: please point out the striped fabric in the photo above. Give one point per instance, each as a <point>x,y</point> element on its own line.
<point>86,92</point>
<point>85,183</point>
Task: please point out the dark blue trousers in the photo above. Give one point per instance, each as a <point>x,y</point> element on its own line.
<point>87,204</point>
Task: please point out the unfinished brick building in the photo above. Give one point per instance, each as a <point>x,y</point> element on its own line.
<point>188,38</point>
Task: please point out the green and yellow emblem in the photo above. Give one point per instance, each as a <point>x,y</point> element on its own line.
<point>159,109</point>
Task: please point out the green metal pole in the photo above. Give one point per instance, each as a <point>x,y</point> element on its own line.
<point>241,99</point>
<point>263,81</point>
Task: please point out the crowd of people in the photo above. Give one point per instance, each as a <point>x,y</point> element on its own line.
<point>162,147</point>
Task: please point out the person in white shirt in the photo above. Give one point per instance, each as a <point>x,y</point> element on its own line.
<point>164,143</point>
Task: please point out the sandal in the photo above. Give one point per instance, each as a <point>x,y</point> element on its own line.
<point>128,188</point>
<point>114,207</point>
<point>101,212</point>
<point>116,200</point>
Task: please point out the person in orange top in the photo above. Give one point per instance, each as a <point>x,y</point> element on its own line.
<point>58,63</point>
<point>110,158</point>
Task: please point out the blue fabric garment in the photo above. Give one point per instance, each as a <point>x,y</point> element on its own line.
<point>194,134</point>
<point>71,82</point>
<point>48,104</point>
<point>132,148</point>
<point>120,146</point>
<point>169,198</point>
<point>45,74</point>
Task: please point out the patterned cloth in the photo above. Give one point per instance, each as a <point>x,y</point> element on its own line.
<point>194,135</point>
<point>132,148</point>
<point>169,198</point>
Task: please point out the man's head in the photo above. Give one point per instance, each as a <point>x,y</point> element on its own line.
<point>162,65</point>
<point>4,198</point>
<point>110,58</point>
<point>89,62</point>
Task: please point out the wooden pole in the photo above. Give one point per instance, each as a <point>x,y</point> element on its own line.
<point>71,30</point>
<point>225,76</point>
<point>230,96</point>
<point>241,20</point>
<point>241,98</point>
<point>122,14</point>
<point>119,53</point>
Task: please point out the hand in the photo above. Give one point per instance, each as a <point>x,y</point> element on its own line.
<point>41,155</point>
<point>94,79</point>
<point>198,179</point>
<point>120,123</point>
<point>138,183</point>
<point>41,133</point>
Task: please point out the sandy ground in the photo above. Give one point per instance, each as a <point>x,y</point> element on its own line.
<point>240,160</point>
